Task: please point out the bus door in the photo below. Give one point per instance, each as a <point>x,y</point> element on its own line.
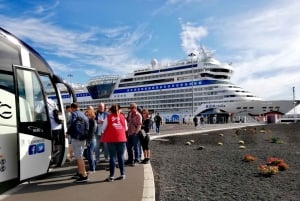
<point>34,132</point>
<point>59,142</point>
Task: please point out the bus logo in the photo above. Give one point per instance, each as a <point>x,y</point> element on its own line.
<point>2,164</point>
<point>5,111</point>
<point>36,149</point>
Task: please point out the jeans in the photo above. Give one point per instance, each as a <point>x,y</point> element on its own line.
<point>116,150</point>
<point>97,148</point>
<point>90,154</point>
<point>157,127</point>
<point>133,147</point>
<point>105,150</point>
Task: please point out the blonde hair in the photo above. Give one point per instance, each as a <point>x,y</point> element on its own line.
<point>145,111</point>
<point>134,105</point>
<point>91,113</point>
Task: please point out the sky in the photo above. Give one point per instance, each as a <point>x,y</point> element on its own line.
<point>83,39</point>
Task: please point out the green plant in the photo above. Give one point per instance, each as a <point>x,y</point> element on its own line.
<point>276,140</point>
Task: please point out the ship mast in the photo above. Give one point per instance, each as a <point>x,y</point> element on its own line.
<point>192,55</point>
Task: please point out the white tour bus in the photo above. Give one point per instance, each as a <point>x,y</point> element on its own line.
<point>26,141</point>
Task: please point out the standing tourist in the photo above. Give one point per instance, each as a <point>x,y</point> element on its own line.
<point>144,136</point>
<point>101,115</point>
<point>195,120</point>
<point>78,144</point>
<point>57,133</point>
<point>157,120</point>
<point>91,140</point>
<point>114,135</point>
<point>68,114</point>
<point>134,126</point>
<point>202,121</point>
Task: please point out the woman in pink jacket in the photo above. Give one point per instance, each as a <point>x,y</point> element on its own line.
<point>114,134</point>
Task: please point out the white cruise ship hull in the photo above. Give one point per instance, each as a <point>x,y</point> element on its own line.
<point>182,90</point>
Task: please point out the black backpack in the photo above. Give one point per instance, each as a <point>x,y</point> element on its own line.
<point>56,115</point>
<point>79,129</point>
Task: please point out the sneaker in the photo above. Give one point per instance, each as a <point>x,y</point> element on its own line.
<point>146,161</point>
<point>76,176</point>
<point>137,161</point>
<point>122,177</point>
<point>81,179</point>
<point>131,163</point>
<point>91,172</point>
<point>109,179</point>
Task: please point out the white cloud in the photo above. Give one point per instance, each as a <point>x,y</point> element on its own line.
<point>265,46</point>
<point>108,48</point>
<point>191,37</point>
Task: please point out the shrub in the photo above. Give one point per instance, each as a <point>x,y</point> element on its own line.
<point>273,161</point>
<point>267,170</point>
<point>272,166</point>
<point>283,166</point>
<point>277,140</point>
<point>249,157</point>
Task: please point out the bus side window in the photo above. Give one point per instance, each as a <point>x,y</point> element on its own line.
<point>7,101</point>
<point>30,97</point>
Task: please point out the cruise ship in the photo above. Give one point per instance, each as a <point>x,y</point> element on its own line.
<point>197,86</point>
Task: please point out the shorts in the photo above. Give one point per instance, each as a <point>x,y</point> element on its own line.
<point>78,148</point>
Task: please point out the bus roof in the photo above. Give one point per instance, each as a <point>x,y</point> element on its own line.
<point>13,52</point>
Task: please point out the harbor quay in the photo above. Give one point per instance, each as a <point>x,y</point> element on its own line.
<point>138,186</point>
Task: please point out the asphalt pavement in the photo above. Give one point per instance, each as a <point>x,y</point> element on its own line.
<point>138,186</point>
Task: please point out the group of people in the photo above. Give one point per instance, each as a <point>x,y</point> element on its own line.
<point>115,132</point>
<point>195,120</point>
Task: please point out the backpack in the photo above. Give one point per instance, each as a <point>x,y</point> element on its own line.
<point>79,130</point>
<point>57,116</point>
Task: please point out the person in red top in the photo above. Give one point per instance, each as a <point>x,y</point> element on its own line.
<point>114,134</point>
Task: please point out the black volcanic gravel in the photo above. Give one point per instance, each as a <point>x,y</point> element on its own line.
<point>205,170</point>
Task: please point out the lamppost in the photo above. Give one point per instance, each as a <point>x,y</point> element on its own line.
<point>294,105</point>
<point>192,55</point>
<point>70,76</point>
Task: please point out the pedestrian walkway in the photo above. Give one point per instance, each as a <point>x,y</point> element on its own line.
<point>58,185</point>
<point>138,185</point>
